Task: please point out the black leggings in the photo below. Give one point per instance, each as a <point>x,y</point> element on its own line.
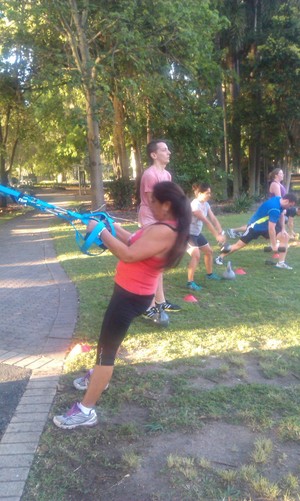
<point>124,306</point>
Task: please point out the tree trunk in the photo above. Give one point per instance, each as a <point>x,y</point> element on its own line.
<point>235,128</point>
<point>287,168</point>
<point>236,157</point>
<point>3,174</point>
<point>265,167</point>
<point>221,97</point>
<point>254,167</point>
<point>148,120</point>
<point>258,170</point>
<point>137,156</point>
<point>3,180</point>
<point>93,140</point>
<point>251,168</point>
<point>119,140</point>
<point>76,33</point>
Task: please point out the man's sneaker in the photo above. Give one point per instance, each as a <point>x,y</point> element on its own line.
<point>167,306</point>
<point>231,233</point>
<point>81,383</point>
<point>74,418</point>
<point>283,266</point>
<point>193,286</point>
<point>219,260</point>
<point>213,276</point>
<point>150,313</point>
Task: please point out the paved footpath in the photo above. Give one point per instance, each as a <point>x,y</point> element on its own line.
<point>38,312</point>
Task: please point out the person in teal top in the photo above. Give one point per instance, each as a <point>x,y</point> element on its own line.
<point>263,223</point>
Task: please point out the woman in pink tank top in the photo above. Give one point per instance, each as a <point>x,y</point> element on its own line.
<point>142,256</point>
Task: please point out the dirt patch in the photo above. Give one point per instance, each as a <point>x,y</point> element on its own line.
<point>145,448</point>
<point>226,446</point>
<point>223,445</point>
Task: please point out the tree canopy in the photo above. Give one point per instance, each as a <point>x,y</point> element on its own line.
<point>89,83</point>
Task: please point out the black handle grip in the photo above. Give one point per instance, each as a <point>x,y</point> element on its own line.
<point>269,249</point>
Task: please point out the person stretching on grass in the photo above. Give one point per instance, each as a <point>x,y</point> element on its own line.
<point>142,257</point>
<point>264,223</point>
<point>276,189</point>
<point>202,214</point>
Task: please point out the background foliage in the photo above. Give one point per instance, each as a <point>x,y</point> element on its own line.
<point>84,85</point>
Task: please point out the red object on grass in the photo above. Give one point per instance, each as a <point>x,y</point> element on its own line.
<point>240,271</point>
<point>190,299</point>
<point>79,348</point>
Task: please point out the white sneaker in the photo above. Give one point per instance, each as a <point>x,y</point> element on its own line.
<point>219,260</point>
<point>283,266</point>
<point>81,383</point>
<point>231,233</point>
<point>74,418</point>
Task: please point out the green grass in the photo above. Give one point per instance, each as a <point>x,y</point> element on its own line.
<point>231,358</point>
<point>7,214</point>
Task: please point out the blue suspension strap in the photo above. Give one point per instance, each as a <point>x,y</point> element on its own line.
<point>84,242</point>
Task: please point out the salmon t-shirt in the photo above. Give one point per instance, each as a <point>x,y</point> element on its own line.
<point>151,176</point>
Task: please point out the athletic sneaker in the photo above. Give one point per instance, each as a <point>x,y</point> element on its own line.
<point>193,286</point>
<point>213,276</point>
<point>75,417</point>
<point>157,315</point>
<point>167,306</point>
<point>231,233</point>
<point>219,260</point>
<point>150,313</point>
<point>283,266</point>
<point>81,383</point>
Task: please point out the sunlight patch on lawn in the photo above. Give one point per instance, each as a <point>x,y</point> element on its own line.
<point>166,346</point>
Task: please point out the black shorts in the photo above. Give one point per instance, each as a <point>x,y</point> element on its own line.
<point>251,234</point>
<point>123,307</point>
<point>197,241</point>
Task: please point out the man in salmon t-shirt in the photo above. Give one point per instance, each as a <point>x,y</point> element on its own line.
<point>159,156</point>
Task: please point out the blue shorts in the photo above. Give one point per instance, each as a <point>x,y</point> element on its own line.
<point>197,241</point>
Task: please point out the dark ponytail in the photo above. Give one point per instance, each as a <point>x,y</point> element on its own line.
<point>167,191</point>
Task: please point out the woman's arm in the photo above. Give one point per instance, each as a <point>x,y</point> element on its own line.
<point>215,222</point>
<point>121,233</point>
<point>156,241</point>
<point>199,215</point>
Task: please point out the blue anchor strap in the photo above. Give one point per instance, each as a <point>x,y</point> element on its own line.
<point>84,242</point>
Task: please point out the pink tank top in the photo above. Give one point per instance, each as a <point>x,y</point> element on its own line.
<point>140,277</point>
